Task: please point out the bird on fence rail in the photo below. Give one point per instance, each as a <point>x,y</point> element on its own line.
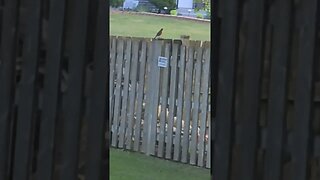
<point>159,33</point>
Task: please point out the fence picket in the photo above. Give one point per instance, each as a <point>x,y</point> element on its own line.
<point>204,103</point>
<point>154,97</point>
<point>140,91</point>
<point>226,53</point>
<point>252,65</point>
<point>208,160</point>
<point>277,95</point>
<point>172,99</point>
<point>147,99</point>
<point>132,93</point>
<point>27,91</point>
<point>74,97</point>
<point>195,111</point>
<point>304,90</point>
<point>164,102</point>
<point>177,144</point>
<point>114,127</point>
<point>97,161</point>
<point>7,67</point>
<point>112,71</point>
<point>124,105</point>
<point>187,104</point>
<point>51,91</point>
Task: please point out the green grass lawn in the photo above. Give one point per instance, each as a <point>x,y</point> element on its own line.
<point>136,166</point>
<point>124,24</point>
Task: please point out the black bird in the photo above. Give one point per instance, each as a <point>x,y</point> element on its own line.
<point>159,33</point>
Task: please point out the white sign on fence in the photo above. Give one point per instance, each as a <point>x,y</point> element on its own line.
<point>162,61</point>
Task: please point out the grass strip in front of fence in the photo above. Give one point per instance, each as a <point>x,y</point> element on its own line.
<point>135,166</point>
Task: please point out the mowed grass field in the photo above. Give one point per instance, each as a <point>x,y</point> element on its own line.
<point>135,166</point>
<point>126,24</point>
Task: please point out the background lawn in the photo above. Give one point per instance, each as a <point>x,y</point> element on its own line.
<point>135,166</point>
<point>125,24</point>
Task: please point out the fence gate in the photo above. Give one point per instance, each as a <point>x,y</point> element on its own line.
<point>160,98</point>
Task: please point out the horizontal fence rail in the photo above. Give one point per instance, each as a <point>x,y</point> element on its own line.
<point>161,107</point>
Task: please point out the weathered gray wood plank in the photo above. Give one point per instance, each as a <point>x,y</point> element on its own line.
<point>140,92</point>
<point>164,102</point>
<point>116,114</point>
<point>132,93</point>
<point>177,144</point>
<point>187,104</point>
<point>196,103</point>
<point>124,105</point>
<point>112,71</point>
<point>147,100</point>
<point>154,96</point>
<point>204,104</point>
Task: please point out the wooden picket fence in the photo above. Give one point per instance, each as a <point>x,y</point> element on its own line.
<point>53,121</point>
<point>267,108</point>
<point>161,111</point>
